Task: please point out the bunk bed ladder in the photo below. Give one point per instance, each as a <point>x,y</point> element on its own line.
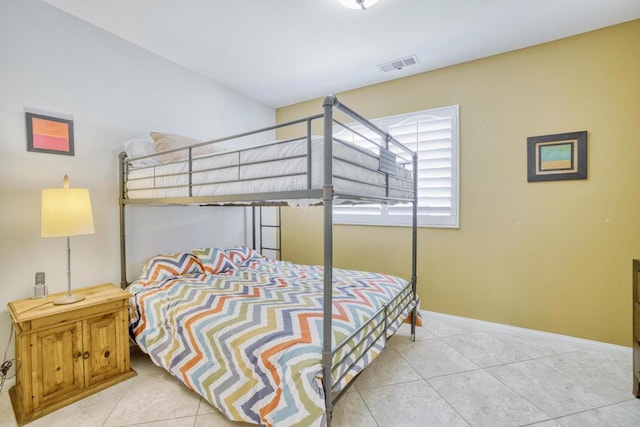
<point>269,236</point>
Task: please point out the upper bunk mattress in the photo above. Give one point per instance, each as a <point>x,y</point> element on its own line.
<point>270,168</point>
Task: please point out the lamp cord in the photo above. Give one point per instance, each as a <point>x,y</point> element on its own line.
<point>8,343</point>
<point>32,308</point>
<point>7,364</point>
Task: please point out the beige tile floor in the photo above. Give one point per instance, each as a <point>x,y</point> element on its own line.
<point>457,373</point>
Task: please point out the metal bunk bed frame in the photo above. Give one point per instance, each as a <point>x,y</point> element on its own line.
<point>326,194</point>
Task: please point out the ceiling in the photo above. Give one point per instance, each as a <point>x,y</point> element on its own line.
<point>280,52</point>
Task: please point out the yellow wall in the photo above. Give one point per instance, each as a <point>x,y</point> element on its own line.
<point>551,256</point>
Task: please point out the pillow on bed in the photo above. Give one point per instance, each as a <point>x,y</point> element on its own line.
<point>168,266</point>
<point>141,147</point>
<point>168,141</point>
<point>242,255</point>
<point>214,260</point>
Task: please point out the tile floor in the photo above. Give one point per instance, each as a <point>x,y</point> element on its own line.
<point>457,373</point>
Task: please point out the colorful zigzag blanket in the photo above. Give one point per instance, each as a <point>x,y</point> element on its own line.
<point>250,340</point>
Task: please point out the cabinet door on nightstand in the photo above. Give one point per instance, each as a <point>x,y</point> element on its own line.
<point>103,340</point>
<point>57,363</point>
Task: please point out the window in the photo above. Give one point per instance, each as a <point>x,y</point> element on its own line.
<point>434,135</point>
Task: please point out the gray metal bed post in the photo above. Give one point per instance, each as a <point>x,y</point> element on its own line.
<point>254,243</point>
<point>327,197</point>
<point>414,244</point>
<point>123,243</point>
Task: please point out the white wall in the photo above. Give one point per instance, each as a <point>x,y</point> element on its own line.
<point>115,91</point>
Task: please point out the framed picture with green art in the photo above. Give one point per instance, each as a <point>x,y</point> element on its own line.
<point>557,157</point>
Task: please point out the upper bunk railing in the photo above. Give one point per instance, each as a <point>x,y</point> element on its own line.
<point>183,184</point>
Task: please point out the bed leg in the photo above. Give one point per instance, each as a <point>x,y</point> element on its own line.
<point>413,325</point>
<point>328,405</point>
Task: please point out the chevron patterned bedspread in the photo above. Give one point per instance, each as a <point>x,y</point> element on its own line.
<point>250,340</point>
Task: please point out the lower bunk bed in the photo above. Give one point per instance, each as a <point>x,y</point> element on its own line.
<point>245,332</point>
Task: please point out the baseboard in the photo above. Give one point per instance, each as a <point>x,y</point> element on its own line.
<point>566,339</point>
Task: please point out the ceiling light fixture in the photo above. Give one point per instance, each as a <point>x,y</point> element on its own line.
<point>358,4</point>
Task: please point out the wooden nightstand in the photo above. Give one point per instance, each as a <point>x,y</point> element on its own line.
<point>67,352</point>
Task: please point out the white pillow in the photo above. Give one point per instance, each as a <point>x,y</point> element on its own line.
<point>141,147</point>
<point>168,141</point>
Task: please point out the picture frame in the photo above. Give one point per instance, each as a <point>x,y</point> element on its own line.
<point>49,134</point>
<point>557,157</point>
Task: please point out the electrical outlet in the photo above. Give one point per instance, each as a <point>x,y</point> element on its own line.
<point>39,289</point>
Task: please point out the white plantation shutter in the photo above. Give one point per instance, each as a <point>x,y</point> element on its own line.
<point>434,135</point>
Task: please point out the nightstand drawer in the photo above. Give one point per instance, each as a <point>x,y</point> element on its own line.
<point>72,316</point>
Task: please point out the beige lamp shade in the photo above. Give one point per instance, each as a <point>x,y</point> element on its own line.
<point>66,212</point>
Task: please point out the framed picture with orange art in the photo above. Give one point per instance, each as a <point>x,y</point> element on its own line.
<point>557,157</point>
<point>49,134</point>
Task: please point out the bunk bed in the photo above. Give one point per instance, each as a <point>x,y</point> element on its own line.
<point>303,169</point>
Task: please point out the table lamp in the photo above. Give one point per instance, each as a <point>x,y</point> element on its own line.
<point>66,212</point>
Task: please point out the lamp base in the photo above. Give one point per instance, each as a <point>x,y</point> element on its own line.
<point>68,299</point>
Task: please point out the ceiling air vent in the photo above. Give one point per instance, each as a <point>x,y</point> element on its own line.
<point>399,64</point>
